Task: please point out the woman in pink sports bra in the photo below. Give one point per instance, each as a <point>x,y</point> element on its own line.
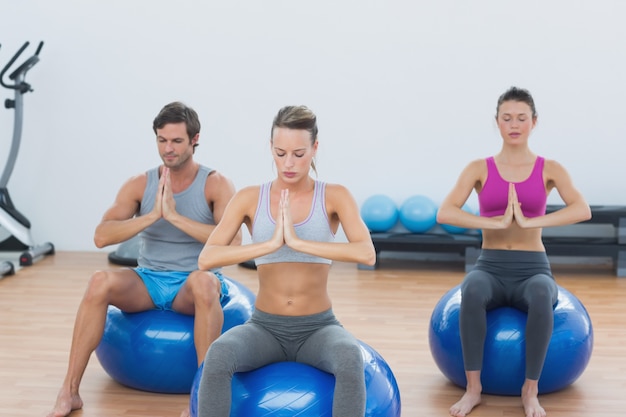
<point>513,268</point>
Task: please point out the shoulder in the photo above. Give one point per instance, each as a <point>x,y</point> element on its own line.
<point>336,191</point>
<point>245,200</point>
<point>551,165</point>
<point>216,181</point>
<point>338,198</point>
<point>476,168</point>
<point>216,177</point>
<point>478,163</point>
<point>129,196</point>
<point>553,169</point>
<point>135,185</point>
<point>251,191</point>
<point>247,195</point>
<point>473,175</point>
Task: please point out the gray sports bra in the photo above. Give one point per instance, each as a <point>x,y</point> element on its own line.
<point>315,227</point>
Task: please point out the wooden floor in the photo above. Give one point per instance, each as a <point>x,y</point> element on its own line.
<point>389,309</point>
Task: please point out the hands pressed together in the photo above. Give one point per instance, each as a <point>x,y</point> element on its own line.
<point>284,234</point>
<point>513,212</point>
<point>164,204</point>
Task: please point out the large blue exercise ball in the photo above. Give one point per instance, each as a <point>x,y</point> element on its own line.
<point>154,350</point>
<point>418,214</point>
<point>287,389</point>
<point>379,212</point>
<point>504,360</point>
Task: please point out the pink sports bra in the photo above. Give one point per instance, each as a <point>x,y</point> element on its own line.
<point>531,193</point>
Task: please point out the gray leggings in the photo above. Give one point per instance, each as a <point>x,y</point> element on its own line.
<point>318,340</point>
<point>519,279</point>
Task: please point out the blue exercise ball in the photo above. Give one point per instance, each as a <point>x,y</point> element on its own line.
<point>504,360</point>
<point>456,230</point>
<point>154,350</point>
<point>379,212</point>
<point>286,389</point>
<point>418,214</point>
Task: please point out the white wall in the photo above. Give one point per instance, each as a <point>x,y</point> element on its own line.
<point>405,92</point>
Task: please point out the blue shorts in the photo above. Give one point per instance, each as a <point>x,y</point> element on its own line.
<point>163,286</point>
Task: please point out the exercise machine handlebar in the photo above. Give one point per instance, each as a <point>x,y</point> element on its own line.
<point>21,70</point>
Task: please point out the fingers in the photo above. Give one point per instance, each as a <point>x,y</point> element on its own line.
<point>278,236</point>
<point>168,204</point>
<point>158,201</point>
<point>511,201</point>
<point>167,182</point>
<point>281,208</point>
<point>289,234</point>
<point>164,175</point>
<point>516,206</point>
<point>284,201</point>
<point>284,210</point>
<point>512,193</point>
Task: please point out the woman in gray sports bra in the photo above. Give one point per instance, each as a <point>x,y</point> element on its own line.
<point>292,220</point>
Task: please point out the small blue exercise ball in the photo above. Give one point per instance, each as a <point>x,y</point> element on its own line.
<point>504,360</point>
<point>286,389</point>
<point>379,212</point>
<point>154,350</point>
<point>456,230</point>
<point>418,214</point>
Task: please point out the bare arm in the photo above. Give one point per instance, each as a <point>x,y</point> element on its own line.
<point>218,250</point>
<point>340,205</point>
<point>119,223</point>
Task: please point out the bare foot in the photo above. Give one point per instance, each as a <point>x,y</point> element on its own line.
<point>465,404</point>
<point>185,413</point>
<point>66,403</point>
<point>532,407</point>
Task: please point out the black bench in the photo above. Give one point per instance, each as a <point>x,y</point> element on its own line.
<point>604,235</point>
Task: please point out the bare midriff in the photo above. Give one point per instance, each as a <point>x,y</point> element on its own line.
<point>293,289</point>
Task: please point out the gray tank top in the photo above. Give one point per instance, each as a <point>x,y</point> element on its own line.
<point>164,247</point>
<point>315,227</point>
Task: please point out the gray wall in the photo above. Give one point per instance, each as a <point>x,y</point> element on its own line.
<point>405,92</point>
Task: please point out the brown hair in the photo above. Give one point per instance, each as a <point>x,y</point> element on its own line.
<point>177,112</point>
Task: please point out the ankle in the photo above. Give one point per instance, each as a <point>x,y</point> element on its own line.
<point>530,388</point>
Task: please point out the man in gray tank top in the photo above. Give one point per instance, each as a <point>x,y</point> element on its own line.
<point>173,208</point>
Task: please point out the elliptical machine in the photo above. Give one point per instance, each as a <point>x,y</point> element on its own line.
<point>12,221</point>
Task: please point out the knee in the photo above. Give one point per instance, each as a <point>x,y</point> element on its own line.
<point>470,288</point>
<point>349,349</point>
<point>541,292</point>
<point>99,286</point>
<point>204,286</point>
<point>220,359</point>
<point>473,293</point>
